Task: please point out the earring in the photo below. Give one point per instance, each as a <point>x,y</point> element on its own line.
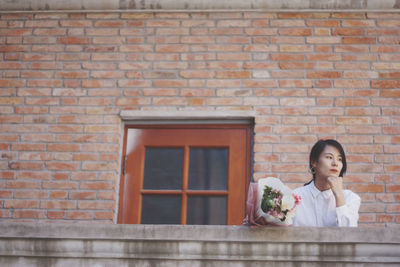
<point>313,171</point>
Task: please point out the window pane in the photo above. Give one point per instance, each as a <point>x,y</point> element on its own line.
<point>163,168</point>
<point>161,209</point>
<point>208,168</point>
<point>206,210</point>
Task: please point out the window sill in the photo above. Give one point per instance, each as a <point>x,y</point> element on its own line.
<point>188,117</point>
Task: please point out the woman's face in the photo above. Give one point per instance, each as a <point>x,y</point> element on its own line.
<point>329,163</point>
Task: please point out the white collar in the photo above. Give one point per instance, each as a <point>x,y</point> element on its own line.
<point>315,191</point>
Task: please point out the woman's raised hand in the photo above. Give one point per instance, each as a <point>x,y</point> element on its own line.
<point>336,184</point>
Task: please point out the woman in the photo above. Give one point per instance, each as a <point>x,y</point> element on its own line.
<point>324,202</point>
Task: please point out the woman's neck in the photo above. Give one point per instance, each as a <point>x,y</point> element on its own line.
<point>321,184</point>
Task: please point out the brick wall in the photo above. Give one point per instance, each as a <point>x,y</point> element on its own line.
<point>66,76</point>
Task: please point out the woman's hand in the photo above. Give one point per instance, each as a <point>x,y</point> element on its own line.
<point>336,184</point>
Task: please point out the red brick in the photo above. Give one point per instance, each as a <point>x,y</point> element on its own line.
<point>196,74</point>
<point>71,74</point>
<point>295,83</point>
<point>36,74</point>
<point>49,32</point>
<point>34,175</point>
<point>22,184</point>
<point>295,31</point>
<point>196,102</point>
<point>327,129</point>
<point>261,48</point>
<point>31,194</point>
<point>95,205</point>
<point>97,83</point>
<point>21,204</point>
<point>28,147</point>
<point>359,40</point>
<point>389,75</point>
<point>286,57</point>
<point>381,218</point>
<point>358,23</point>
<point>110,24</point>
<point>351,83</point>
<point>60,185</point>
<point>83,195</point>
<point>56,214</point>
<point>104,215</point>
<point>45,65</point>
<point>11,83</point>
<point>63,147</point>
<point>323,40</point>
<point>295,48</point>
<point>388,23</point>
<point>84,157</point>
<point>41,23</point>
<point>320,57</point>
<point>387,84</point>
<point>353,120</point>
<point>365,188</point>
<point>96,186</point>
<point>5,193</point>
<point>351,48</point>
<point>367,218</point>
<point>44,83</point>
<point>15,32</point>
<point>10,119</point>
<point>322,23</point>
<point>232,74</point>
<point>197,92</point>
<point>348,31</point>
<point>259,31</point>
<point>296,65</point>
<point>58,204</point>
<point>323,74</point>
<point>29,214</point>
<point>84,176</point>
<point>58,194</point>
<point>79,215</point>
<point>160,92</point>
<point>260,83</point>
<point>62,166</point>
<point>73,40</point>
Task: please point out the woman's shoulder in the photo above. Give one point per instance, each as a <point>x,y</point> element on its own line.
<point>301,190</point>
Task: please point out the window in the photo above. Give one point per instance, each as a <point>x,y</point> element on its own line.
<point>185,174</point>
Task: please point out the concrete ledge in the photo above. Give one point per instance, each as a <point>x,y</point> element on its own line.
<point>187,117</point>
<point>26,244</point>
<point>35,5</point>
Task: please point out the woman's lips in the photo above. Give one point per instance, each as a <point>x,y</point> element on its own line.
<point>333,170</point>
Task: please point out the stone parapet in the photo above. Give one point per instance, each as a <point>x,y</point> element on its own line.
<point>34,5</point>
<point>42,244</point>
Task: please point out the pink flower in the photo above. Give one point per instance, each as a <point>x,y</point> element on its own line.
<point>297,199</point>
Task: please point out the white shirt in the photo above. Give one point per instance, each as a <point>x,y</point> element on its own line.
<point>318,208</point>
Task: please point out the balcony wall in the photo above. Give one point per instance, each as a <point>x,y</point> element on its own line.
<point>42,244</point>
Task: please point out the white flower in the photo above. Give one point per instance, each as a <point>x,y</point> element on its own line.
<point>287,202</point>
<point>289,217</point>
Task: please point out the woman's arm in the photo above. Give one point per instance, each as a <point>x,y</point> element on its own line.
<point>347,215</point>
<point>346,208</point>
<point>336,184</point>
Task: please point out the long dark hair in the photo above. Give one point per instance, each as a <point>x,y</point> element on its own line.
<point>317,150</point>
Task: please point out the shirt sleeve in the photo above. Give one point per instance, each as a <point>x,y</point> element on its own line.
<point>347,215</point>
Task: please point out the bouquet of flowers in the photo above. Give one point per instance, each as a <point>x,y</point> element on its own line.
<point>270,202</point>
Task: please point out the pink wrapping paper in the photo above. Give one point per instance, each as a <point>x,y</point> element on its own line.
<point>251,205</point>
